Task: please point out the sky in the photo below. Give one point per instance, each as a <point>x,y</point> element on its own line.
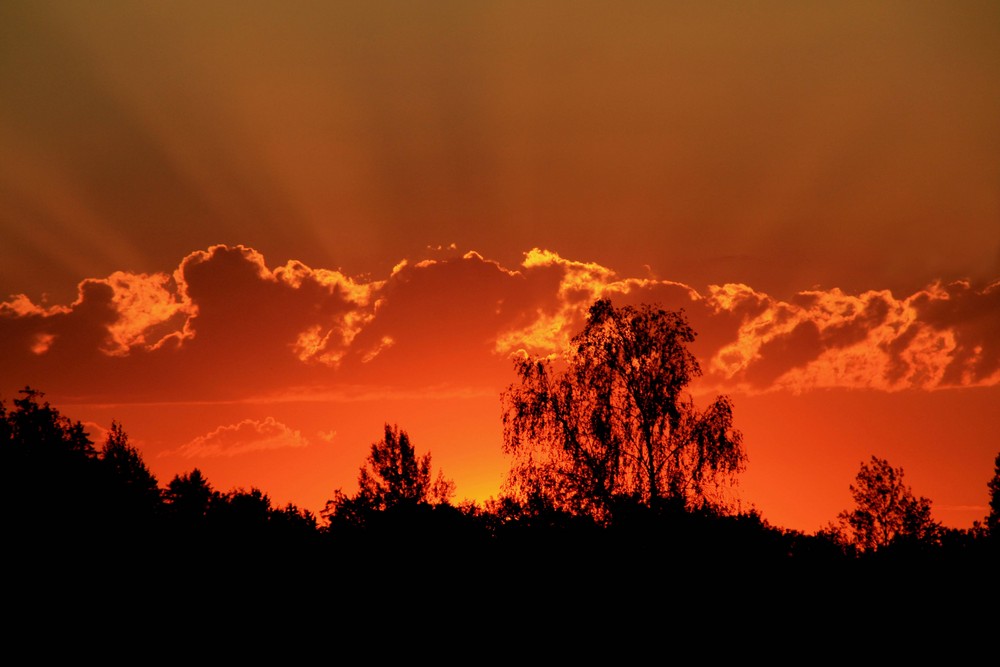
<point>256,232</point>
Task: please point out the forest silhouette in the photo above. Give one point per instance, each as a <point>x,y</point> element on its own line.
<point>618,484</point>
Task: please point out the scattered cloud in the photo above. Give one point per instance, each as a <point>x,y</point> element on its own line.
<point>384,344</point>
<point>247,436</point>
<point>43,341</point>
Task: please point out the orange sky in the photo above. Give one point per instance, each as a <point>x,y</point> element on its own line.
<point>254,233</point>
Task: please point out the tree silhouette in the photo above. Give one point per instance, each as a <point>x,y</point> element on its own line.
<point>133,489</point>
<point>190,497</point>
<point>993,519</point>
<point>243,515</point>
<point>393,476</point>
<point>886,512</point>
<point>240,516</point>
<point>50,483</point>
<point>37,429</point>
<point>292,521</point>
<point>614,420</point>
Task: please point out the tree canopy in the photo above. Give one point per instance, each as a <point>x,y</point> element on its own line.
<point>613,419</point>
<point>393,476</point>
<point>132,486</point>
<point>60,496</point>
<point>886,512</point>
<point>49,471</point>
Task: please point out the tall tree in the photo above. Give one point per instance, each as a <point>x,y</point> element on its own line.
<point>886,512</point>
<point>614,420</point>
<point>133,488</point>
<point>393,476</point>
<point>38,430</point>
<point>48,466</point>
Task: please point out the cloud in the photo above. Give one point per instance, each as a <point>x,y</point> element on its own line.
<point>226,326</point>
<point>42,342</point>
<point>939,337</point>
<point>568,289</point>
<point>222,322</point>
<point>249,435</point>
<point>292,311</point>
<point>35,336</point>
<point>149,310</point>
<point>97,433</point>
<point>942,336</point>
<point>126,310</point>
<point>435,322</point>
<point>970,317</point>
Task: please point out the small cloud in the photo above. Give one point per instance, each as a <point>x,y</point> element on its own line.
<point>21,306</point>
<point>384,344</point>
<point>400,265</point>
<point>97,433</point>
<point>249,435</point>
<point>544,335</point>
<point>43,341</point>
<point>962,508</point>
<point>326,436</point>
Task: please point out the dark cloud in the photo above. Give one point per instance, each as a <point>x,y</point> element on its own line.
<point>972,315</point>
<point>226,326</point>
<point>781,354</point>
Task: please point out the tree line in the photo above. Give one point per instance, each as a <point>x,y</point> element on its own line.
<point>611,459</point>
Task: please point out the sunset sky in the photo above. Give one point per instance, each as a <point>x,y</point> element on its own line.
<point>254,232</point>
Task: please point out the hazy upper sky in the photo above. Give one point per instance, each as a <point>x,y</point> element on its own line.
<point>780,144</point>
<point>837,165</point>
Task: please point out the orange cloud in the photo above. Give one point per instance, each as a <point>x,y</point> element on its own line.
<point>225,326</point>
<point>293,312</point>
<point>43,341</point>
<point>35,336</point>
<point>97,433</point>
<point>247,436</point>
<point>148,310</point>
<point>572,287</point>
<point>125,310</point>
<point>21,306</point>
<point>942,336</point>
